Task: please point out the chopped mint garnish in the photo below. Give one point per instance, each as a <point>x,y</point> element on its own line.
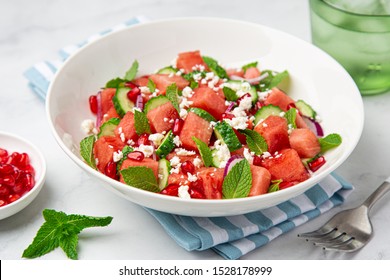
<point>114,83</point>
<point>215,67</point>
<point>86,150</point>
<point>274,185</point>
<point>204,151</point>
<point>256,143</point>
<point>238,181</point>
<point>272,80</point>
<point>140,177</point>
<point>329,142</point>
<point>230,94</point>
<point>291,116</point>
<point>151,85</point>
<point>132,72</point>
<point>141,123</point>
<point>249,65</point>
<point>61,230</point>
<point>171,93</point>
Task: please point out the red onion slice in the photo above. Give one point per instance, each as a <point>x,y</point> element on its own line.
<point>99,113</point>
<point>251,81</point>
<point>314,126</point>
<point>231,162</point>
<point>230,107</point>
<point>139,103</point>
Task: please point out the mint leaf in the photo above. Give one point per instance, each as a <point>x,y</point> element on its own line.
<point>238,181</point>
<point>272,80</point>
<point>171,93</point>
<point>230,94</point>
<point>329,142</point>
<point>204,151</point>
<point>215,67</point>
<point>141,123</point>
<point>61,230</point>
<point>115,83</point>
<point>249,65</point>
<point>256,143</point>
<point>132,72</point>
<point>274,187</point>
<point>86,150</point>
<point>151,85</point>
<point>140,177</point>
<point>291,116</point>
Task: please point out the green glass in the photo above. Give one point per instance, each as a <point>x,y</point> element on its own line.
<point>359,42</point>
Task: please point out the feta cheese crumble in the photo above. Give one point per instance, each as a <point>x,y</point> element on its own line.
<point>117,156</point>
<point>147,150</point>
<point>156,138</point>
<point>183,192</point>
<point>88,126</point>
<point>222,153</point>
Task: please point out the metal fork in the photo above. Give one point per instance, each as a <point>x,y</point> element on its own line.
<point>350,229</point>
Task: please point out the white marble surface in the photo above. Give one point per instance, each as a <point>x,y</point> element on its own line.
<point>31,31</point>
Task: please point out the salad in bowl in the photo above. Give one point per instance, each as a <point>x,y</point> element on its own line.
<point>197,130</point>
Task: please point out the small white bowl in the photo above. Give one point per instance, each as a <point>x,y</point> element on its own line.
<point>13,143</point>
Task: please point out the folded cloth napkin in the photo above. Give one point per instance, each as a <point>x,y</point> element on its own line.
<point>231,237</point>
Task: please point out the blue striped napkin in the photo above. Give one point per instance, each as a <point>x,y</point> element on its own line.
<point>231,237</point>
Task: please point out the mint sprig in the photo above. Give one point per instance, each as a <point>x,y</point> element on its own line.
<point>140,177</point>
<point>230,94</point>
<point>132,72</point>
<point>215,67</point>
<point>86,150</point>
<point>291,116</point>
<point>256,143</point>
<point>172,94</point>
<point>61,230</point>
<point>238,181</point>
<point>141,123</point>
<point>151,85</point>
<point>330,141</point>
<point>204,152</point>
<point>249,65</point>
<point>273,79</point>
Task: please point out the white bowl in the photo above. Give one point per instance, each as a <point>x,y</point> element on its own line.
<point>315,78</point>
<point>13,143</point>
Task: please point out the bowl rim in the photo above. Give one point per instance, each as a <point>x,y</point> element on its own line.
<point>298,189</point>
<point>39,182</point>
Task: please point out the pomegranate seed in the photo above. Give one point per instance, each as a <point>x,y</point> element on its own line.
<point>4,191</point>
<point>317,163</point>
<point>130,84</point>
<point>133,94</point>
<point>29,169</point>
<point>29,181</point>
<point>93,104</point>
<point>110,170</point>
<point>257,160</point>
<point>19,188</point>
<point>143,139</point>
<point>24,160</point>
<point>177,126</point>
<point>227,116</point>
<point>188,166</point>
<point>194,193</point>
<point>137,156</point>
<point>171,189</point>
<point>13,158</point>
<point>6,169</point>
<point>3,153</point>
<point>8,180</point>
<point>13,197</point>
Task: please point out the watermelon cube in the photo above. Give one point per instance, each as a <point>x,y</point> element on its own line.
<point>125,129</point>
<point>261,179</point>
<point>162,81</point>
<point>305,142</point>
<point>210,101</point>
<point>162,117</point>
<point>252,73</point>
<point>195,126</point>
<point>286,165</point>
<point>147,162</point>
<point>106,96</point>
<point>275,132</point>
<point>212,180</point>
<point>104,149</point>
<point>279,98</point>
<point>188,60</point>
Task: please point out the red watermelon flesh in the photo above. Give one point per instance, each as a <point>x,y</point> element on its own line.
<point>212,180</point>
<point>142,81</point>
<point>251,73</point>
<point>107,95</point>
<point>208,100</point>
<point>261,179</point>
<point>305,142</point>
<point>162,81</point>
<point>286,165</point>
<point>126,126</point>
<point>162,117</point>
<point>187,60</point>
<point>195,126</point>
<point>147,162</point>
<point>104,149</point>
<point>279,98</point>
<point>275,132</point>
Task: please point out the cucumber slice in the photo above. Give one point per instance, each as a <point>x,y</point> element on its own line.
<point>202,113</point>
<point>154,102</point>
<point>224,132</point>
<point>166,145</point>
<point>164,166</point>
<point>266,111</point>
<point>238,85</point>
<point>121,102</point>
<point>215,159</point>
<point>167,70</point>
<point>108,128</point>
<point>305,109</point>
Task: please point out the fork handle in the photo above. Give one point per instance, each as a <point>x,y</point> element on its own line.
<point>377,194</point>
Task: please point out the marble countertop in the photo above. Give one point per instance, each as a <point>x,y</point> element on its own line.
<point>31,31</point>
